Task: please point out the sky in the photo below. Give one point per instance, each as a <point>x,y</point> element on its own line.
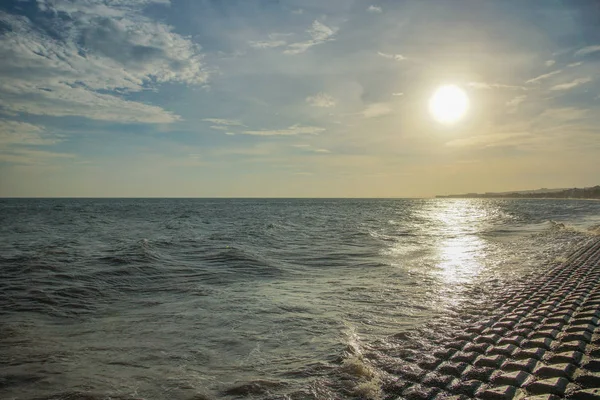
<point>291,98</point>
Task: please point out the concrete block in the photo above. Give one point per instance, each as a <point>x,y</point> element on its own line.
<point>463,356</point>
<point>419,392</point>
<point>451,368</point>
<point>586,394</point>
<point>589,380</point>
<point>573,357</point>
<point>492,361</point>
<point>565,370</point>
<point>505,350</point>
<point>499,393</point>
<point>513,378</point>
<point>556,386</point>
<point>536,353</point>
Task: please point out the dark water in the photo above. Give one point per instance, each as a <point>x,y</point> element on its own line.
<point>200,298</point>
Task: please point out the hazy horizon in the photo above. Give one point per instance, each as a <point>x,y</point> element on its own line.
<point>296,99</point>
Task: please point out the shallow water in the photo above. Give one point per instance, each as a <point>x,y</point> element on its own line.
<point>192,298</point>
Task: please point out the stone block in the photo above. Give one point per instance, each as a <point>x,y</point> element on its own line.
<point>436,380</point>
<point>589,380</point>
<point>554,325</point>
<point>498,330</point>
<point>558,319</point>
<point>482,374</point>
<point>575,345</point>
<point>586,394</point>
<point>513,378</point>
<point>463,356</point>
<point>555,371</point>
<point>491,339</point>
<point>505,350</point>
<point>419,392</point>
<point>573,357</point>
<point>449,396</point>
<point>536,353</point>
<point>429,363</point>
<point>444,354</point>
<point>546,333</point>
<point>584,321</point>
<point>542,343</point>
<point>591,312</point>
<point>531,325</point>
<point>409,372</point>
<point>578,328</point>
<point>523,331</point>
<point>526,365</point>
<point>514,340</point>
<point>592,365</point>
<point>480,348</point>
<point>492,361</point>
<point>542,397</point>
<point>477,329</point>
<point>505,324</point>
<point>467,388</point>
<point>583,335</point>
<point>452,368</point>
<point>556,386</point>
<point>456,344</point>
<point>499,393</point>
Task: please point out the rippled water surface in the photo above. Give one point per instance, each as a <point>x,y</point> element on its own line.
<point>201,298</point>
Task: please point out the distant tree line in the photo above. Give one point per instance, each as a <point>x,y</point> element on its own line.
<point>575,193</point>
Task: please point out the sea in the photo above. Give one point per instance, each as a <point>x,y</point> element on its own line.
<point>199,299</point>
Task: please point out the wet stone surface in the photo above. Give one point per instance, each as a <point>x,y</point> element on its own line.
<point>539,340</point>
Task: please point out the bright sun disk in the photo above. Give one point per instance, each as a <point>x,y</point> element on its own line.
<point>448,104</point>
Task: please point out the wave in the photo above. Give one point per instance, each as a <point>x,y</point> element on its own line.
<point>86,396</point>
<point>89,282</point>
<point>254,388</point>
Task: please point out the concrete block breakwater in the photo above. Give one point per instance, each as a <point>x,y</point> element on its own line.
<point>542,342</point>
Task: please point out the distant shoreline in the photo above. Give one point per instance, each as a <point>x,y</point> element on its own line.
<point>589,193</point>
<point>517,198</point>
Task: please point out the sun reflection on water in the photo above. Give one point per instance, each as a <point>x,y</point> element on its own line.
<point>459,248</point>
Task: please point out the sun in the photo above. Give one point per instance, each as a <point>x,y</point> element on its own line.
<point>448,104</point>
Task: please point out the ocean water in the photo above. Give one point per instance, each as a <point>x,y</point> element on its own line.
<point>251,298</point>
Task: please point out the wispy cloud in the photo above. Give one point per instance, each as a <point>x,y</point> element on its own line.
<point>376,110</point>
<point>514,103</point>
<point>309,148</point>
<point>397,57</point>
<point>540,78</point>
<point>575,64</point>
<point>549,63</point>
<point>22,133</point>
<point>25,156</point>
<point>494,140</point>
<point>564,114</point>
<point>319,33</point>
<point>587,50</point>
<point>219,127</point>
<point>321,100</point>
<point>92,55</point>
<point>267,44</point>
<point>290,131</point>
<point>275,40</point>
<point>572,84</point>
<point>223,121</point>
<point>485,85</point>
<point>374,9</point>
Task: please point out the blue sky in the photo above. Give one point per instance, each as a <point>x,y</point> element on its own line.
<point>295,98</point>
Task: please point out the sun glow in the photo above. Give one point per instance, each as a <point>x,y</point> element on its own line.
<point>448,104</point>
